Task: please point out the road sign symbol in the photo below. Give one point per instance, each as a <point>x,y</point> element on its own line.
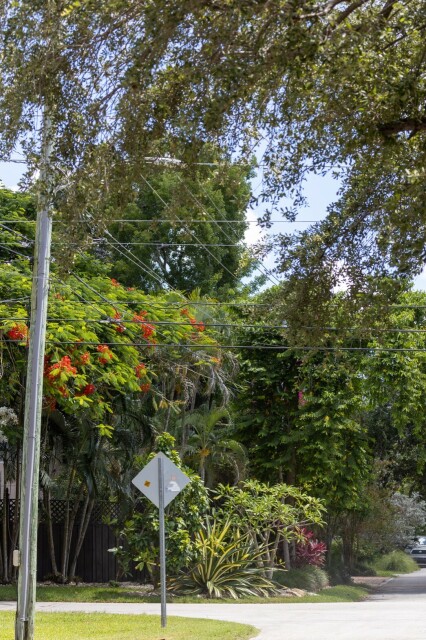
<point>174,480</point>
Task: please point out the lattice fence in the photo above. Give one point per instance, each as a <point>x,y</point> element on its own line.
<point>95,563</point>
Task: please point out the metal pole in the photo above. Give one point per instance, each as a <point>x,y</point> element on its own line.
<point>162,542</point>
<point>24,628</point>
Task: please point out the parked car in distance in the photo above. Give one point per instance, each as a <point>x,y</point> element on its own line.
<point>418,551</point>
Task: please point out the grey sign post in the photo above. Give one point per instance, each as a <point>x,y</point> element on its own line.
<point>161,481</point>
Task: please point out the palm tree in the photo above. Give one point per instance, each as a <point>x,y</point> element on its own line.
<point>210,446</point>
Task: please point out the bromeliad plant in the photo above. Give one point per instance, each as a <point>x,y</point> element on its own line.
<point>226,566</point>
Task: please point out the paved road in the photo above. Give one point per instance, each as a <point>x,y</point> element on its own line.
<point>406,587</point>
<point>396,612</point>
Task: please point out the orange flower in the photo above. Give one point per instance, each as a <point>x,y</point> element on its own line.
<point>85,358</point>
<point>64,364</point>
<point>18,332</point>
<point>145,387</point>
<point>200,326</point>
<point>114,282</point>
<point>140,370</point>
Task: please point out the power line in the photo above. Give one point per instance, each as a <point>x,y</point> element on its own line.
<point>147,269</point>
<point>14,300</point>
<point>185,303</point>
<point>229,325</point>
<point>186,220</point>
<point>15,221</point>
<point>165,244</point>
<point>198,221</point>
<point>189,230</point>
<point>232,346</point>
<point>135,260</point>
<point>21,255</point>
<point>263,270</point>
<point>205,212</point>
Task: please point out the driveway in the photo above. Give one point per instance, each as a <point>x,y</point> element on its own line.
<point>396,612</point>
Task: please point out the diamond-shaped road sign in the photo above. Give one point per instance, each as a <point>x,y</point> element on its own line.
<point>174,480</point>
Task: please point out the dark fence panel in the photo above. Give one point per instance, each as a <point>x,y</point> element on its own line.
<point>95,563</point>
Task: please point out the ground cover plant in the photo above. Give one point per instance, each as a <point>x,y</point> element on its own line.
<point>96,626</point>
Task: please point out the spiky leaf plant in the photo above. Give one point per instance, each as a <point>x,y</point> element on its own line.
<point>226,566</point>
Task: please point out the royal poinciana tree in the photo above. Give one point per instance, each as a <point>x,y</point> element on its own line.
<point>114,357</point>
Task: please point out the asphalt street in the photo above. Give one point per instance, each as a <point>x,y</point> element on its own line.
<point>394,612</point>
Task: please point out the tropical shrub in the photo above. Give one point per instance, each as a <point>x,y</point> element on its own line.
<point>226,565</point>
<point>310,578</point>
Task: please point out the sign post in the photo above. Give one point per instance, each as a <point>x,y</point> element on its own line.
<point>161,481</point>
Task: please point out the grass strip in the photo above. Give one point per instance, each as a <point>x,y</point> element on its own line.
<point>69,593</point>
<point>101,626</point>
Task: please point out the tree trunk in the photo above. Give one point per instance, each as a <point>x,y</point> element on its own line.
<point>70,517</point>
<point>84,523</point>
<point>50,540</point>
<point>286,554</point>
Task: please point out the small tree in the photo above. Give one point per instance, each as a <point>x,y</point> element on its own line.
<point>269,514</point>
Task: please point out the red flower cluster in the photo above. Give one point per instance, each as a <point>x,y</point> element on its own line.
<point>107,354</point>
<point>140,370</point>
<point>140,317</point>
<point>87,391</point>
<point>120,328</point>
<point>114,282</point>
<point>85,358</point>
<point>145,387</point>
<point>18,332</point>
<point>200,326</point>
<point>64,364</point>
<point>146,328</point>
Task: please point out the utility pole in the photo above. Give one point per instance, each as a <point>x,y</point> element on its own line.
<point>24,626</point>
